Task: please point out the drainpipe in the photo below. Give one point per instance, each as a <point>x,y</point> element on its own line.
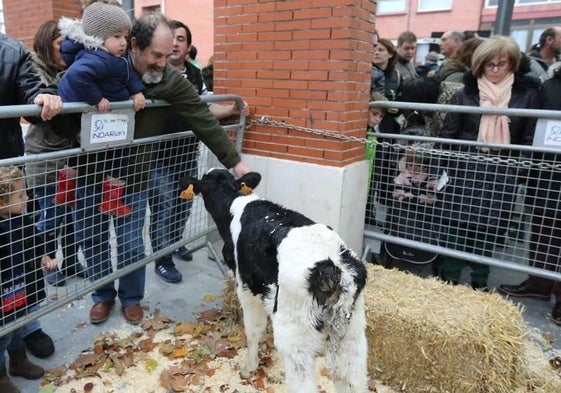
<point>504,17</point>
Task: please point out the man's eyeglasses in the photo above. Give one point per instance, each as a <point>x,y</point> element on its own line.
<point>501,65</point>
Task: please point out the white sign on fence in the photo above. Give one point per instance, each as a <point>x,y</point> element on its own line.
<point>548,133</point>
<point>107,128</point>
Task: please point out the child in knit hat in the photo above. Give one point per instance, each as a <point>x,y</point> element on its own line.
<point>99,73</point>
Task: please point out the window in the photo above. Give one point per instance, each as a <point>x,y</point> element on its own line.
<point>390,6</point>
<point>156,9</point>
<point>434,5</point>
<point>521,38</point>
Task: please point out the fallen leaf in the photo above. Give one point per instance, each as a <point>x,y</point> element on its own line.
<point>47,389</point>
<point>258,384</point>
<point>208,297</point>
<point>156,323</point>
<point>147,345</point>
<point>210,315</point>
<point>193,329</point>
<point>179,352</point>
<point>150,364</point>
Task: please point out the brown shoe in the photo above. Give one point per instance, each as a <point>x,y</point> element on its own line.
<point>100,311</point>
<point>133,313</point>
<point>20,366</point>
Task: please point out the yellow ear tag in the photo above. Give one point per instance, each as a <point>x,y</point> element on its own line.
<point>187,193</point>
<point>244,189</point>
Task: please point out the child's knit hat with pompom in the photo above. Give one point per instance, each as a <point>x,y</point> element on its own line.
<point>101,20</point>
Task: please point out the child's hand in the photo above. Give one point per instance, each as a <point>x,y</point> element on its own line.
<point>103,105</point>
<point>48,263</point>
<point>139,101</point>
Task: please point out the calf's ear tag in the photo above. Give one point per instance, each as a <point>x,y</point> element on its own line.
<point>187,193</point>
<point>245,189</point>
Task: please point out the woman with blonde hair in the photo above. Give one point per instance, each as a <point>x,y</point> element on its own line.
<point>479,197</point>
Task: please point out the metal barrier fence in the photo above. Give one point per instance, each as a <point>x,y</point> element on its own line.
<point>496,205</point>
<point>113,246</point>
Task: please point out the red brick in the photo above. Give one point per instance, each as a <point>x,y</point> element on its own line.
<point>275,36</point>
<point>275,16</point>
<point>300,45</point>
<point>293,25</point>
<point>257,27</point>
<point>308,94</point>
<point>279,75</point>
<point>313,13</point>
<point>312,34</point>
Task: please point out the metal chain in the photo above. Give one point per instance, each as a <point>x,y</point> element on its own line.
<point>416,147</point>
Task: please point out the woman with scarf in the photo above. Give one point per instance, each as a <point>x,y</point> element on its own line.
<point>479,195</point>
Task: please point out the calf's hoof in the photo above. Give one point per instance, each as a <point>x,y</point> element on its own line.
<point>246,374</point>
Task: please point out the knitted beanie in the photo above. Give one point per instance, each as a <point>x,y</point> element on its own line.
<point>101,20</point>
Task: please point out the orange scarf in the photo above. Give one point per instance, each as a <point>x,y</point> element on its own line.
<point>494,128</point>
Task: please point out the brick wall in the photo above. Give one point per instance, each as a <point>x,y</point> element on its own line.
<point>304,62</point>
<point>23,18</point>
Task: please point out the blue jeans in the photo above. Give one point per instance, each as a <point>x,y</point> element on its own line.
<point>55,220</point>
<point>51,220</point>
<point>10,341</point>
<point>93,235</point>
<point>169,213</point>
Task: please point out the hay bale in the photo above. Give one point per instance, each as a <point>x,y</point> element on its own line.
<point>426,336</point>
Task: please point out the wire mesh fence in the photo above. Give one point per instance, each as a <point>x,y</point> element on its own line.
<point>496,205</point>
<point>490,205</point>
<point>102,214</point>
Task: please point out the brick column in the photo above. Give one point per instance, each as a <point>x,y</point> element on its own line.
<point>307,63</point>
<point>23,18</point>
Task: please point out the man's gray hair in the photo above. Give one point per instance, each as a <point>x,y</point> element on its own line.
<point>143,29</point>
<point>457,35</point>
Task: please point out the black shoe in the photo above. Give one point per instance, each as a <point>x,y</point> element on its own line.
<point>184,254</point>
<point>523,290</point>
<point>169,273</point>
<point>476,286</point>
<point>556,314</point>
<point>39,344</point>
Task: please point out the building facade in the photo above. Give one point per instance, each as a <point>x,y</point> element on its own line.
<point>428,19</point>
<point>198,15</point>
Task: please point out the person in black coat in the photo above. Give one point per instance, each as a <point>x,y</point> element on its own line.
<point>544,195</point>
<point>20,85</point>
<point>479,196</point>
<point>22,286</point>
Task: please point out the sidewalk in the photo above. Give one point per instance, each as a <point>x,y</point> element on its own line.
<point>72,332</point>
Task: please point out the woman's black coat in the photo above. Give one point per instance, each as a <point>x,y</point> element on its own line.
<point>544,186</point>
<point>481,193</point>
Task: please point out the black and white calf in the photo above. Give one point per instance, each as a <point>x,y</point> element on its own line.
<point>298,272</point>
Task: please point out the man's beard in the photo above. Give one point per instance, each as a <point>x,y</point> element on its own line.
<point>153,74</point>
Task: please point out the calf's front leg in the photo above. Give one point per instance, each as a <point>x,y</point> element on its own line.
<point>255,323</point>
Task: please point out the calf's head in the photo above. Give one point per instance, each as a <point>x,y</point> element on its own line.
<point>219,182</point>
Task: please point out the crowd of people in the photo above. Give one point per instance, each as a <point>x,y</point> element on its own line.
<point>476,203</point>
<point>98,59</point>
<point>103,57</point>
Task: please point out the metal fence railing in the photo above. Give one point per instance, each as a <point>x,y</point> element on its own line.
<point>104,235</point>
<point>436,197</point>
